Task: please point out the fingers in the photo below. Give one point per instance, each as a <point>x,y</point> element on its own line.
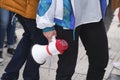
<point>49,35</point>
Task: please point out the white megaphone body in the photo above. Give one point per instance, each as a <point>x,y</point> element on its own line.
<point>55,47</point>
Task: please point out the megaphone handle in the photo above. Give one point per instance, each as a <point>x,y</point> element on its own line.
<point>53,38</point>
<point>49,64</point>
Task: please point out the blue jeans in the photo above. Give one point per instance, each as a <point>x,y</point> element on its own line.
<point>5,25</point>
<point>31,35</point>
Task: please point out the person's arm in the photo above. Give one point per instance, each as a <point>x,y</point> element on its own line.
<point>45,18</point>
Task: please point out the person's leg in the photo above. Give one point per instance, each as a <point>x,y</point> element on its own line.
<point>94,39</point>
<point>11,33</point>
<point>31,70</point>
<point>4,19</point>
<point>31,36</point>
<point>18,58</point>
<point>67,61</point>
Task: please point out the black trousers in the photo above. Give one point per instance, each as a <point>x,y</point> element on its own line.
<point>32,35</point>
<point>94,39</point>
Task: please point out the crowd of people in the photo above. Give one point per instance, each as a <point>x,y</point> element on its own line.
<point>41,20</point>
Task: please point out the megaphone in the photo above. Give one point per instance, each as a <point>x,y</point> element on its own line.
<point>55,47</point>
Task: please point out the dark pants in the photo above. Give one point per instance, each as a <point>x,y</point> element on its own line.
<point>94,39</point>
<point>7,24</point>
<point>31,35</point>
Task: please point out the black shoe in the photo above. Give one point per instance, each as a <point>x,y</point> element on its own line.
<point>10,51</point>
<point>1,57</point>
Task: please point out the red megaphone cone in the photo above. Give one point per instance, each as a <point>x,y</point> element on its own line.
<point>61,45</point>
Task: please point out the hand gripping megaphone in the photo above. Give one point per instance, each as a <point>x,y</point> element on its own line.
<point>55,47</point>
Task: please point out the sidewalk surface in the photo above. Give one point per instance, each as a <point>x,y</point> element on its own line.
<point>48,70</point>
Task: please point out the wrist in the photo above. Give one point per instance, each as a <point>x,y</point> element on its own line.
<point>48,29</point>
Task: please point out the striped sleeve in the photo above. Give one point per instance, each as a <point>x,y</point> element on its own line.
<point>45,14</point>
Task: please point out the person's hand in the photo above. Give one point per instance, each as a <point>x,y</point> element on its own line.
<point>50,34</point>
<point>119,14</point>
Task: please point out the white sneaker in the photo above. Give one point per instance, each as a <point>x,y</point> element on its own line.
<point>116,65</point>
<point>1,60</point>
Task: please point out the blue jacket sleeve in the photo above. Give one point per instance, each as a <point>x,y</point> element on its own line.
<point>45,14</point>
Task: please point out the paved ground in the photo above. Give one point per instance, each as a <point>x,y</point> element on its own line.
<point>48,70</point>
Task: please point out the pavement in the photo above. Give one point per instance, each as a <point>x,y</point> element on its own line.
<point>48,70</point>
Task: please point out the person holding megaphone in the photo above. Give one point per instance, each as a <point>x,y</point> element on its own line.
<point>68,20</point>
<point>55,47</point>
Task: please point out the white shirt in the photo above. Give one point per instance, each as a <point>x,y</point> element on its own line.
<point>87,11</point>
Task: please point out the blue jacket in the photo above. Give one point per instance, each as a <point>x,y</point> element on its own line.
<point>48,15</point>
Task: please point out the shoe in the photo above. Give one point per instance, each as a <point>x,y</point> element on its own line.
<point>1,57</point>
<point>116,65</point>
<point>10,51</point>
